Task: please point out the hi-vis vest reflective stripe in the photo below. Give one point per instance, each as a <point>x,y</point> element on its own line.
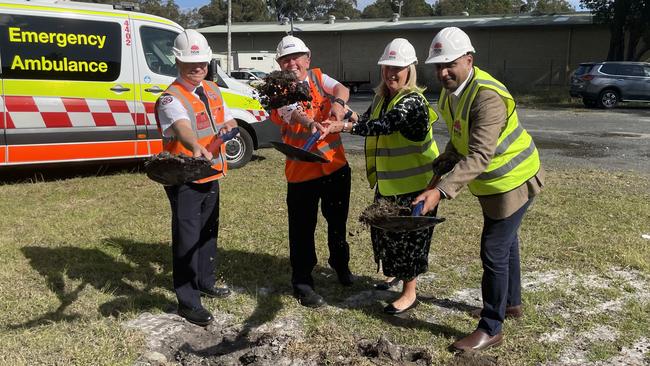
<point>516,158</point>
<point>205,128</point>
<point>393,162</point>
<point>295,134</point>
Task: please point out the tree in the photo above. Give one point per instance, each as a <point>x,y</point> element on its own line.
<point>166,9</point>
<point>344,8</point>
<point>292,8</point>
<point>242,11</point>
<point>475,7</point>
<point>546,6</point>
<point>624,17</point>
<point>379,9</point>
<point>386,8</point>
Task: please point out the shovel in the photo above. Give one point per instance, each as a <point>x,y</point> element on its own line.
<point>409,223</point>
<point>168,169</point>
<point>302,154</point>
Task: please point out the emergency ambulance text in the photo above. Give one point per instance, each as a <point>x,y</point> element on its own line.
<point>60,39</point>
<point>58,65</point>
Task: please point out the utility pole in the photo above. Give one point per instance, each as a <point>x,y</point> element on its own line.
<point>229,37</point>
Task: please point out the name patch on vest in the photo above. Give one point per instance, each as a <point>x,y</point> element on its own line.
<point>456,127</point>
<point>202,121</point>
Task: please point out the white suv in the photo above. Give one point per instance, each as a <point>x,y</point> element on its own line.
<point>249,76</point>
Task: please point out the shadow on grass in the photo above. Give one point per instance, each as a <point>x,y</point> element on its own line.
<point>258,272</point>
<point>145,267</point>
<point>134,271</point>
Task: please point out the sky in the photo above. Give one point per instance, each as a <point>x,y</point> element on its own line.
<point>188,4</point>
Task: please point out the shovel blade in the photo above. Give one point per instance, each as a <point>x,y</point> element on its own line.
<point>297,153</point>
<point>406,223</point>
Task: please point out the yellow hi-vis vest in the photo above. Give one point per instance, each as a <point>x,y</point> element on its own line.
<point>396,164</point>
<point>516,158</point>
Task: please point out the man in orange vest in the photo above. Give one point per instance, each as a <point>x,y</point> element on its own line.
<point>309,183</point>
<point>190,114</point>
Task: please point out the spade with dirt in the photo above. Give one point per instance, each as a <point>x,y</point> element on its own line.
<point>169,169</point>
<point>386,215</point>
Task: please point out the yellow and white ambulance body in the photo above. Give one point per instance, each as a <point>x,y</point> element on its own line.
<point>79,82</point>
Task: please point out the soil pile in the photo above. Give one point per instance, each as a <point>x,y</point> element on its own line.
<point>282,88</point>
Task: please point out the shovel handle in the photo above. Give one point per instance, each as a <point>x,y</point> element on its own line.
<point>311,141</point>
<point>219,140</point>
<point>417,210</point>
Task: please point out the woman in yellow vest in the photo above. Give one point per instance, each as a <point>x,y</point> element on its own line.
<point>399,151</point>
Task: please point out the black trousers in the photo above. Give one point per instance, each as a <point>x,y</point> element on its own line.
<point>333,192</point>
<point>501,283</point>
<point>195,225</point>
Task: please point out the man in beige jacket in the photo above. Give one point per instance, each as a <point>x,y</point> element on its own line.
<point>500,165</point>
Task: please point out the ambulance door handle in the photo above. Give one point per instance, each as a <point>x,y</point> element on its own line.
<point>154,90</point>
<point>119,88</point>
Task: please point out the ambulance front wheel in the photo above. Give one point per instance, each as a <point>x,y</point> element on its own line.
<point>239,150</point>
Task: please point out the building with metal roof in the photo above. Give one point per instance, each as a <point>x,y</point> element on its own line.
<point>524,51</point>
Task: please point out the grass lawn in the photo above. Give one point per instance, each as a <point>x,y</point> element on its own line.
<point>81,256</point>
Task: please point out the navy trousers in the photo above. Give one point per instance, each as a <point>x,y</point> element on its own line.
<point>333,192</point>
<point>501,283</point>
<point>195,225</point>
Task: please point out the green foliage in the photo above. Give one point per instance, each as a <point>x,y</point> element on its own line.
<point>242,11</point>
<point>386,8</point>
<point>313,9</point>
<point>343,8</point>
<point>627,19</point>
<point>550,6</point>
<point>475,7</point>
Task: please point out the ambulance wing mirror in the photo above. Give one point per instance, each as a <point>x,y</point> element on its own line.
<point>213,73</point>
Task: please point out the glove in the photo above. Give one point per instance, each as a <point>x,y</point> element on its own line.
<point>170,170</point>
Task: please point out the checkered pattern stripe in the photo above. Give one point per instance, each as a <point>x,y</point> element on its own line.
<point>50,112</point>
<point>260,115</point>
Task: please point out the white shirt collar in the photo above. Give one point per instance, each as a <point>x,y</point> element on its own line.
<point>462,86</point>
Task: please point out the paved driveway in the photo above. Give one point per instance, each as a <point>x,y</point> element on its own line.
<point>576,137</point>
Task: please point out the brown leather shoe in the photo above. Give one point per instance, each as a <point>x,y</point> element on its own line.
<point>477,341</point>
<point>514,312</point>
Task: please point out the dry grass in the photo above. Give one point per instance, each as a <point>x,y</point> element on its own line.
<point>82,255</point>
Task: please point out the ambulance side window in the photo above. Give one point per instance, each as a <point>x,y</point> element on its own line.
<point>36,47</point>
<point>157,46</point>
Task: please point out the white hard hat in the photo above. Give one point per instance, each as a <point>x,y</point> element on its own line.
<point>191,46</point>
<point>289,45</point>
<point>449,44</point>
<point>399,52</point>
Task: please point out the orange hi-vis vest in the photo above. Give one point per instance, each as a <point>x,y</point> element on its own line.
<point>206,129</point>
<point>297,135</point>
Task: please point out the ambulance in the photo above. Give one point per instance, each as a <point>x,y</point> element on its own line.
<point>79,82</point>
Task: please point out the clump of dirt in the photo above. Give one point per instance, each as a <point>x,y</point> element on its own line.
<point>170,169</point>
<point>383,352</point>
<point>382,208</point>
<point>282,88</point>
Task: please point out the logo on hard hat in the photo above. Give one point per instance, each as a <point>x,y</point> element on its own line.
<point>437,48</point>
<point>289,45</point>
<point>195,49</point>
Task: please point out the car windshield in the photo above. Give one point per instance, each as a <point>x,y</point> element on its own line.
<point>259,74</point>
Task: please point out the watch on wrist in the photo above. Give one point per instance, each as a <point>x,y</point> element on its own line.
<point>339,101</point>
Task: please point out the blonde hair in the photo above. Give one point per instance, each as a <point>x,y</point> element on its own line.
<point>411,83</point>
